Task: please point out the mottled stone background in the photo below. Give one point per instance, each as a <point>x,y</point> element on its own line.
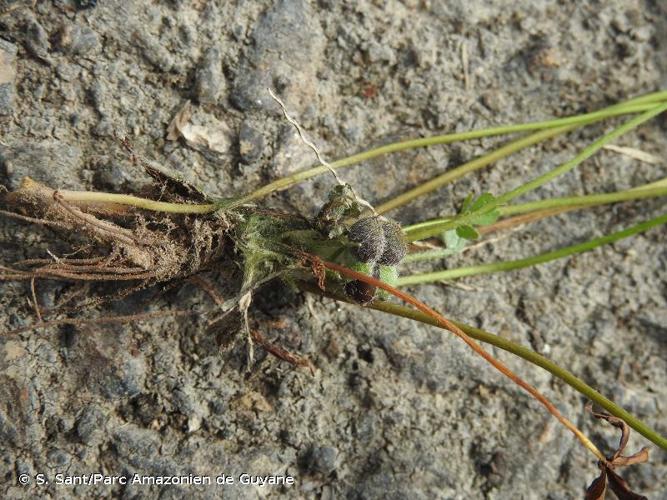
<point>395,409</point>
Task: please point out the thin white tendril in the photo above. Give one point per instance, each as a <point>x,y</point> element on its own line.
<point>244,305</point>
<point>312,146</point>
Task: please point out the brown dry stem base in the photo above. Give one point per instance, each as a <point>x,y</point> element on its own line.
<point>113,244</point>
<point>121,245</point>
<point>130,248</point>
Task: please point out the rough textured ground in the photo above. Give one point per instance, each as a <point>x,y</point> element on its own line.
<point>395,410</point>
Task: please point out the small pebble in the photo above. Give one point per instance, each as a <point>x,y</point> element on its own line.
<point>285,56</point>
<point>154,51</point>
<point>73,39</point>
<point>320,460</point>
<point>7,77</point>
<point>251,143</point>
<point>85,4</point>
<point>210,80</point>
<point>53,163</point>
<point>37,41</point>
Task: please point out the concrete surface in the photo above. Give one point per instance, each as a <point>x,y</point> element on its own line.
<point>395,409</point>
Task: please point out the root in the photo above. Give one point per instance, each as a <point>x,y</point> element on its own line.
<point>209,288</point>
<point>320,159</point>
<point>244,305</point>
<point>108,244</point>
<point>253,336</point>
<point>99,321</point>
<point>138,250</point>
<point>76,273</point>
<point>35,304</point>
<point>281,353</point>
<point>35,220</point>
<point>118,233</point>
<point>133,250</point>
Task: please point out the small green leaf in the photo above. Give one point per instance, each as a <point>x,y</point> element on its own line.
<point>467,232</point>
<point>485,219</point>
<point>453,241</point>
<point>465,207</point>
<point>483,200</point>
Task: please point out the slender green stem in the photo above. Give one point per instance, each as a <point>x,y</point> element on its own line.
<point>28,185</point>
<point>433,254</point>
<point>476,164</point>
<point>135,201</point>
<point>427,232</point>
<point>538,360</point>
<point>631,106</point>
<point>584,155</point>
<point>448,325</point>
<point>428,228</point>
<point>510,148</point>
<point>652,190</point>
<point>652,98</point>
<point>511,265</point>
<point>582,201</point>
<point>657,184</point>
<point>516,349</point>
<point>628,107</point>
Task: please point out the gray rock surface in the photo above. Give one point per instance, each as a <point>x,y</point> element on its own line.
<point>251,143</point>
<point>51,162</point>
<point>394,409</point>
<point>286,54</point>
<point>7,76</point>
<point>210,79</point>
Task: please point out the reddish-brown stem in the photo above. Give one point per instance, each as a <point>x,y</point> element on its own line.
<point>445,323</point>
<point>519,220</point>
<point>35,304</point>
<point>280,352</point>
<point>209,288</point>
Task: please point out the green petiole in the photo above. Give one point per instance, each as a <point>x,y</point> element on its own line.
<point>511,265</point>
<point>427,232</point>
<point>538,360</point>
<point>628,107</point>
<point>573,202</point>
<point>516,349</point>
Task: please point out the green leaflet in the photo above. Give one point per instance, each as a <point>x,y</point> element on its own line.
<point>467,232</point>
